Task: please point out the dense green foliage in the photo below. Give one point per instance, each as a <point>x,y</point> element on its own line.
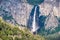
<point>11,32</point>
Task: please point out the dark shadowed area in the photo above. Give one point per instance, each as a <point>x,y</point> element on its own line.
<point>35,2</point>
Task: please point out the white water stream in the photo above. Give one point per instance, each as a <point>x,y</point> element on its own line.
<point>34,22</point>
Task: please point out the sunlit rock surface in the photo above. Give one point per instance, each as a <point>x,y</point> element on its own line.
<point>51,22</point>
<point>18,11</point>
<point>19,8</point>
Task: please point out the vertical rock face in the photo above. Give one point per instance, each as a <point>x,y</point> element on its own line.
<point>51,22</point>
<point>30,20</point>
<point>18,12</point>
<point>14,11</point>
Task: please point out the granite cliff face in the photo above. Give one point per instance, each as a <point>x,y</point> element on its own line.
<point>18,11</point>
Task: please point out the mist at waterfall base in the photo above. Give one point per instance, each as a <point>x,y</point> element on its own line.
<point>36,22</point>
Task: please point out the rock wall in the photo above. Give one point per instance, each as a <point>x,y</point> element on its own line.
<point>18,11</point>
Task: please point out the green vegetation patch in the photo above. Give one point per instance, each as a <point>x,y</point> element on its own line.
<point>11,32</point>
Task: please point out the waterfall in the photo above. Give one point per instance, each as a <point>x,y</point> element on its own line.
<point>34,22</point>
<point>34,19</point>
